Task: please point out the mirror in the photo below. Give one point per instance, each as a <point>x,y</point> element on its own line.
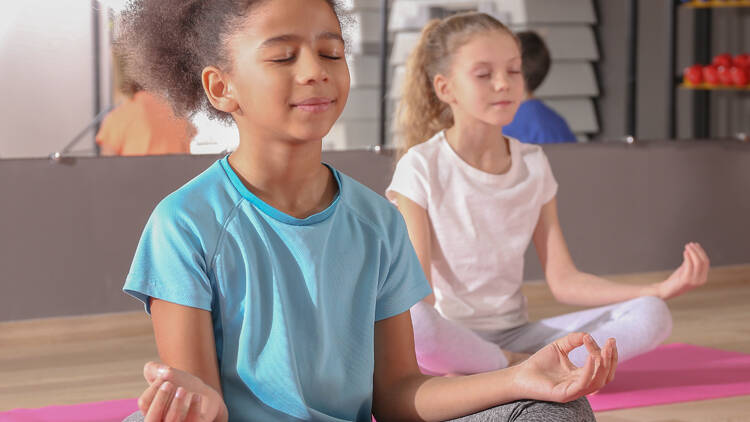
<point>62,79</point>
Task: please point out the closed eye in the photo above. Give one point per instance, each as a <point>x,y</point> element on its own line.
<point>291,58</point>
<point>284,60</point>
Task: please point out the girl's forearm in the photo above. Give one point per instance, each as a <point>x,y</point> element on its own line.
<point>428,398</point>
<point>582,289</point>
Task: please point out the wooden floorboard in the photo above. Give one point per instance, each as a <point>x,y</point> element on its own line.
<point>99,357</point>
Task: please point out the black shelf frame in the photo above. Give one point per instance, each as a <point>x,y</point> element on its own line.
<point>382,128</point>
<point>701,54</point>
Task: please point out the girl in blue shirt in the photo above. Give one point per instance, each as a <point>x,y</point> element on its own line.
<point>279,288</point>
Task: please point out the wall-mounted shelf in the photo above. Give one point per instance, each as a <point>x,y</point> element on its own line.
<point>716,4</point>
<point>706,87</point>
<point>702,95</point>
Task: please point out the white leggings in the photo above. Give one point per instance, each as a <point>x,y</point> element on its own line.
<point>445,347</point>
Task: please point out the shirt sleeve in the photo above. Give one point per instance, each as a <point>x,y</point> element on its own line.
<point>549,184</point>
<point>404,283</point>
<point>169,262</point>
<point>410,180</point>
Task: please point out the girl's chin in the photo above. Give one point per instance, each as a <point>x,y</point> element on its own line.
<point>503,119</point>
<point>498,122</point>
<point>308,136</point>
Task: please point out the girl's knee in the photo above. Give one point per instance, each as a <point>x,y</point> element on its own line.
<point>574,411</point>
<point>657,310</point>
<point>657,315</point>
<point>535,411</point>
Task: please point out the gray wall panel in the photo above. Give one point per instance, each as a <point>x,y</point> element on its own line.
<point>68,231</point>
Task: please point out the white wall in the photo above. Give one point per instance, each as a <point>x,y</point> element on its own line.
<point>46,75</point>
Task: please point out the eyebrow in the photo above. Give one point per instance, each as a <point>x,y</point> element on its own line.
<point>478,64</point>
<point>287,38</point>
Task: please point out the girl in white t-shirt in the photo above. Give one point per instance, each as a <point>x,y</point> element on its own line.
<point>474,199</point>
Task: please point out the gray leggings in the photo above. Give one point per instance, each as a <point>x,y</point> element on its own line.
<point>535,411</point>
<point>520,411</point>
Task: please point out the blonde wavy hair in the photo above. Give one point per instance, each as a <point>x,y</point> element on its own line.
<point>420,113</point>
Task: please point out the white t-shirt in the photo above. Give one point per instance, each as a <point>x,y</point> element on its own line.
<point>482,224</point>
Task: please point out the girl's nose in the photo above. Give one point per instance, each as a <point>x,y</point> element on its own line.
<point>500,83</point>
<point>311,68</point>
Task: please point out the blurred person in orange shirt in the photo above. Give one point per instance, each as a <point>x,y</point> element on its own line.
<point>143,124</point>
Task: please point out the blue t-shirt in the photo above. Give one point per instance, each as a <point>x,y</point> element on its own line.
<point>293,301</point>
<point>535,123</point>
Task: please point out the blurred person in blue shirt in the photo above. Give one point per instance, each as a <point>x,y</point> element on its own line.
<point>535,122</point>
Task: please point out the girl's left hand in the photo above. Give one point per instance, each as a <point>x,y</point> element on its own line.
<point>514,358</point>
<point>549,374</point>
<point>692,273</point>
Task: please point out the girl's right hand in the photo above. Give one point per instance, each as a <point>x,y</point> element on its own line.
<point>175,395</point>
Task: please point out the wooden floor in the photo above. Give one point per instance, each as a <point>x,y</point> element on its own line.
<point>715,315</point>
<point>92,358</point>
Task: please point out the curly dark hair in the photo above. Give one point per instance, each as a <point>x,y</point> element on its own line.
<point>535,58</point>
<point>126,84</point>
<point>168,43</point>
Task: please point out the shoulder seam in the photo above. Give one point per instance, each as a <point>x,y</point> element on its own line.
<point>364,220</point>
<point>222,235</point>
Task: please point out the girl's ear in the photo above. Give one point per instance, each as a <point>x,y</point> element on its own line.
<point>443,89</point>
<point>219,90</point>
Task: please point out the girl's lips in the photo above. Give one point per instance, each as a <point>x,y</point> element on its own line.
<point>502,103</point>
<point>314,105</point>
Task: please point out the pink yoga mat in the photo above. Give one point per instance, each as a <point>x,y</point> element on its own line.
<point>670,374</point>
<point>103,411</point>
<point>676,373</point>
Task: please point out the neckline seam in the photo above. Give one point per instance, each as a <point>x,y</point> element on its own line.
<point>272,212</point>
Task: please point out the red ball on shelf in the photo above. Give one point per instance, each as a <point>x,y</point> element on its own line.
<point>711,75</point>
<point>740,75</point>
<point>725,75</point>
<point>723,60</point>
<point>693,75</point>
<point>742,60</point>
